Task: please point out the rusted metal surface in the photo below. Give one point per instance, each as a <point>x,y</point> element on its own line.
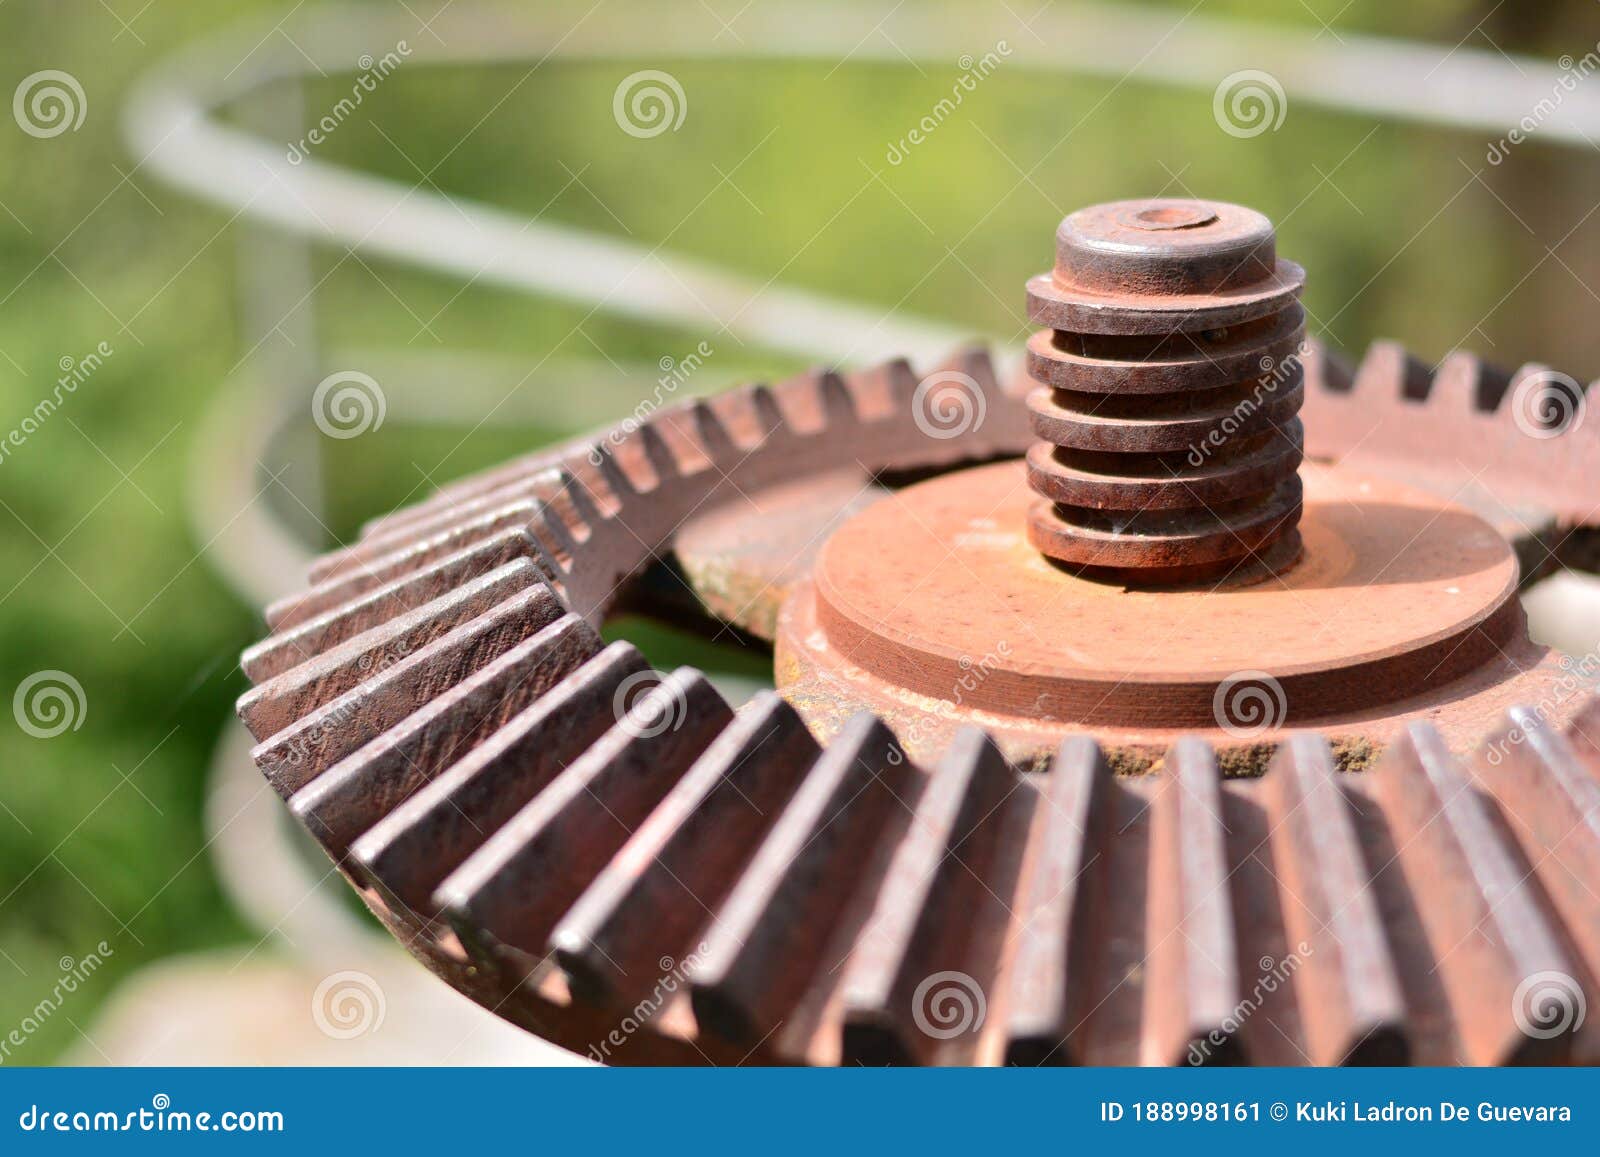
<point>1354,1007</point>
<point>1168,384</point>
<point>1099,919</point>
<point>932,609</point>
<point>686,856</point>
<point>612,858</point>
<point>347,799</point>
<point>409,850</point>
<point>742,558</point>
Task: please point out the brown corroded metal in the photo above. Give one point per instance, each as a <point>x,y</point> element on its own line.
<point>1168,384</point>
<point>931,608</point>
<point>731,890</point>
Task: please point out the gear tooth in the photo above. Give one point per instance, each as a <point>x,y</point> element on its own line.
<point>903,386</point>
<point>712,433</point>
<point>584,506</point>
<point>1466,382</point>
<point>837,403</point>
<point>410,851</point>
<point>1387,369</point>
<point>1049,983</point>
<point>616,479</point>
<point>547,523</point>
<point>1583,733</point>
<point>441,521</point>
<point>556,575</point>
<point>1194,979</point>
<point>816,401</point>
<point>575,505</point>
<point>1543,397</point>
<point>1526,373</point>
<point>735,412</point>
<point>311,744</point>
<point>275,704</point>
<point>946,863</point>
<point>465,489</point>
<point>490,490</point>
<point>358,791</point>
<point>646,905</point>
<point>769,414</point>
<point>1544,782</point>
<point>1470,890</point>
<point>656,451</point>
<point>900,383</point>
<point>770,937</point>
<point>1354,1008</point>
<point>1326,368</point>
<point>517,886</point>
<point>327,629</point>
<point>374,573</point>
<point>974,360</point>
<point>431,540</point>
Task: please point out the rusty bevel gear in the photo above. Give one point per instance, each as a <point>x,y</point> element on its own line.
<point>1168,384</point>
<point>440,713</point>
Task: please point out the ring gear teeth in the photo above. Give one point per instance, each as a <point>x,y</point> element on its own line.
<point>444,719</point>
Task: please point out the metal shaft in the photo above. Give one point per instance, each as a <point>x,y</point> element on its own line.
<point>1168,385</point>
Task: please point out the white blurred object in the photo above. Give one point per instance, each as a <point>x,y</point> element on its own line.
<point>227,1008</point>
<point>1564,612</point>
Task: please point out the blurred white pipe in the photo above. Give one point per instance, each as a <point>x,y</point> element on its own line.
<point>173,127</point>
